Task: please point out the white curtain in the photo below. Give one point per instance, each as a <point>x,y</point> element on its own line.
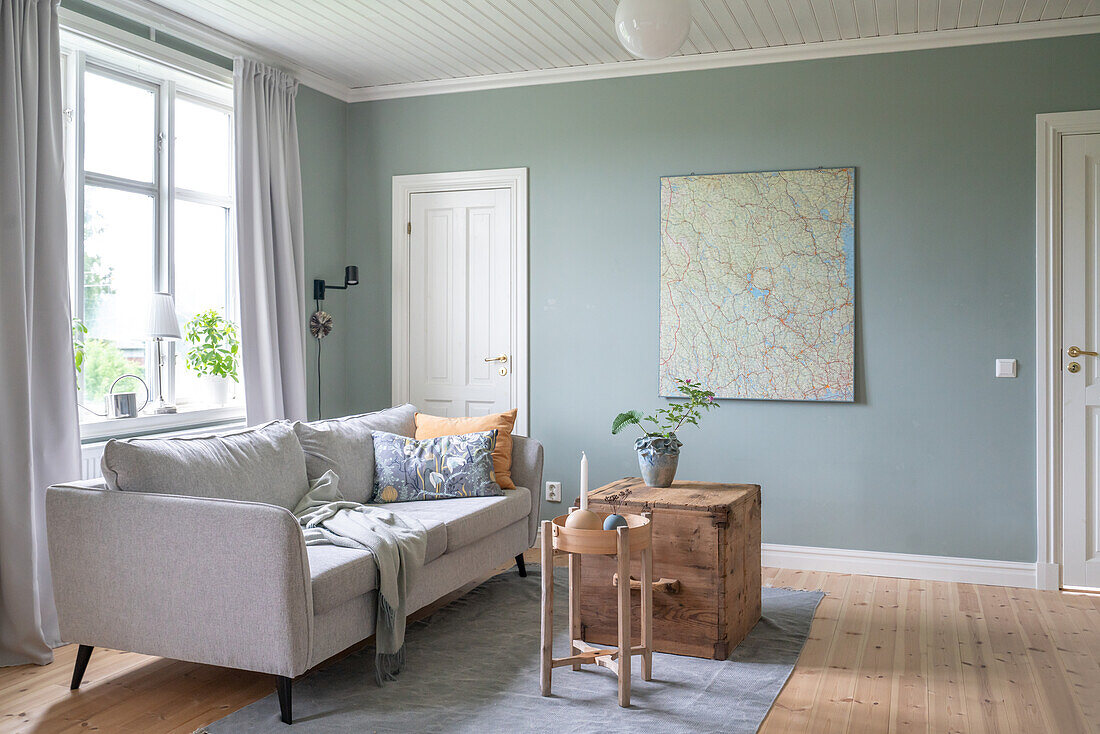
<point>270,242</point>
<point>39,434</point>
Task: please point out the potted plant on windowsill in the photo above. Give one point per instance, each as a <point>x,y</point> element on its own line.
<point>659,449</point>
<point>213,353</point>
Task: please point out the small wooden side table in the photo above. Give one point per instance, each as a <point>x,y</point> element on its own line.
<point>619,543</point>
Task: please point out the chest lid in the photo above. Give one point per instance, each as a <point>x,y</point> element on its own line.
<point>708,497</point>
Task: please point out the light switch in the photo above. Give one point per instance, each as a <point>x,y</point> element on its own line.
<point>1006,368</point>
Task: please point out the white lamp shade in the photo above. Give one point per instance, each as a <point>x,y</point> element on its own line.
<point>162,318</point>
<point>652,29</point>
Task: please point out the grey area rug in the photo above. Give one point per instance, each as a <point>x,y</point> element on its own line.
<point>473,667</point>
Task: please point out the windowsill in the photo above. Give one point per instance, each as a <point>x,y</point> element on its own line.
<point>143,425</point>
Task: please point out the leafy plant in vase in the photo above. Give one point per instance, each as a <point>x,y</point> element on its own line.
<point>213,353</point>
<point>659,449</point>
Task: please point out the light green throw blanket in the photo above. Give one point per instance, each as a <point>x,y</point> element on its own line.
<point>398,545</point>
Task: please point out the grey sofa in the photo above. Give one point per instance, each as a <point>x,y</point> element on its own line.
<point>187,549</point>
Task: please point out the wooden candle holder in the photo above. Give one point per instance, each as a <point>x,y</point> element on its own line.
<point>557,538</point>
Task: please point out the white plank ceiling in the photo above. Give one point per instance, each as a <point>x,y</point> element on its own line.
<point>373,43</point>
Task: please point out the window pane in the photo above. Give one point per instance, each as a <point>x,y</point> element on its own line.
<point>119,128</point>
<point>118,279</point>
<point>202,148</point>
<point>201,253</point>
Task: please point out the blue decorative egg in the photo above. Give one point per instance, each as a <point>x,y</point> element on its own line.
<point>614,521</point>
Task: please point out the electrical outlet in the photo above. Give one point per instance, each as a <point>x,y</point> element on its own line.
<point>553,491</point>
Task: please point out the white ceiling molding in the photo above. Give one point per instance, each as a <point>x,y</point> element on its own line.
<point>89,34</point>
<point>747,57</point>
<point>359,51</point>
<point>219,42</point>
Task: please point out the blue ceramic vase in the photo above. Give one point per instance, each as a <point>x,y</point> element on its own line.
<point>614,521</point>
<point>657,459</point>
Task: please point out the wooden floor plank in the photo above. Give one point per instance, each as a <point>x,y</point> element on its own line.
<point>1008,651</point>
<point>909,712</point>
<point>1045,661</point>
<point>947,698</point>
<point>985,711</point>
<point>992,670</point>
<point>834,702</point>
<point>796,701</point>
<point>873,695</point>
<point>1076,647</point>
<point>883,655</point>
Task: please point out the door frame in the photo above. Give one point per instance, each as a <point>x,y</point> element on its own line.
<point>513,179</point>
<point>1049,131</point>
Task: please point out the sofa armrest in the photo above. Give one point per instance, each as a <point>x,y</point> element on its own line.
<point>527,472</point>
<point>212,581</point>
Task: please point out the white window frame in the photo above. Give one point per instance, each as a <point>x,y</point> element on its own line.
<point>90,45</point>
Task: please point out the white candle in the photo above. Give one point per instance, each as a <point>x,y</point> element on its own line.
<point>584,481</point>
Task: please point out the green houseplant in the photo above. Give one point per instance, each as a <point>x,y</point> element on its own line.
<point>213,352</point>
<point>659,449</point>
<point>80,333</point>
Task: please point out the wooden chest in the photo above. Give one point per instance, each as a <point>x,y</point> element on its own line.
<point>706,538</point>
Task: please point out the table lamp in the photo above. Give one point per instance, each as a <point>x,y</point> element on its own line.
<point>163,325</point>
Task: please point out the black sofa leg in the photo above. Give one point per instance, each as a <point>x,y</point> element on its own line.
<point>520,566</point>
<point>283,684</point>
<point>83,655</point>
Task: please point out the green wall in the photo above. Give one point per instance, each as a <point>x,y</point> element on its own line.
<point>936,456</point>
<point>322,135</point>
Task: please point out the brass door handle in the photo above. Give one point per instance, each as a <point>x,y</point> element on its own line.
<point>1077,352</point>
<point>501,358</point>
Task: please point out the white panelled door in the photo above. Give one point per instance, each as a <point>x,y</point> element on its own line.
<point>461,293</point>
<point>1080,363</point>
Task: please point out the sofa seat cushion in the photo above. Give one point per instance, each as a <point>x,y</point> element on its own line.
<point>345,446</point>
<point>338,574</point>
<point>469,519</point>
<point>259,464</point>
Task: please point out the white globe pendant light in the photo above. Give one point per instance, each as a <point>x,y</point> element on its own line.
<point>652,29</point>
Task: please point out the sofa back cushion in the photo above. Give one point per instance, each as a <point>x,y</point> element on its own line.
<point>345,446</point>
<point>259,464</point>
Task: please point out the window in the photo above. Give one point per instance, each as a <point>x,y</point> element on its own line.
<point>150,164</point>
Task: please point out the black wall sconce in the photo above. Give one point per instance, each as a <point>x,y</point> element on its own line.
<point>351,277</point>
<point>320,323</point>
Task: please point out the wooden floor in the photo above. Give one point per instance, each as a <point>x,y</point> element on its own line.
<point>894,655</point>
<point>884,655</point>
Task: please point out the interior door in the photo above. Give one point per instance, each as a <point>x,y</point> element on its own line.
<point>460,302</point>
<point>1080,363</point>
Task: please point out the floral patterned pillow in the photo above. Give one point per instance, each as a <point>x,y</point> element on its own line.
<point>434,468</point>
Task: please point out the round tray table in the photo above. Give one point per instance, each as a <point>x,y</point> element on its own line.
<point>576,543</point>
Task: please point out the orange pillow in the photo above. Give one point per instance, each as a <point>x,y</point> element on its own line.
<point>431,426</point>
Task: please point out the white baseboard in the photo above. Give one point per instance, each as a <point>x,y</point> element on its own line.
<point>909,566</point>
